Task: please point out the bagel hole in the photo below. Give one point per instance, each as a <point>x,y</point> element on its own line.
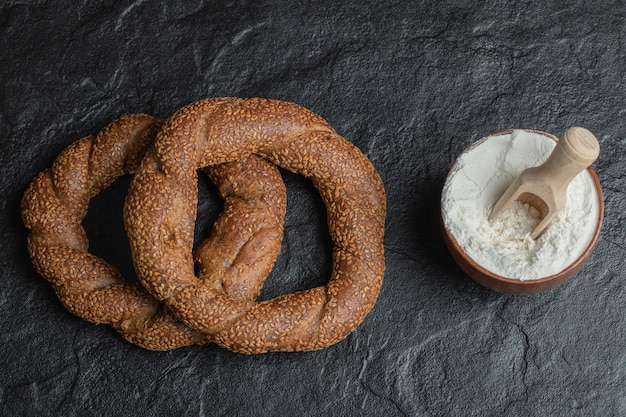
<point>209,207</point>
<point>305,260</point>
<point>104,222</point>
<point>104,225</point>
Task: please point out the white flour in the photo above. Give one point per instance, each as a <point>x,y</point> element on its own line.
<point>481,176</point>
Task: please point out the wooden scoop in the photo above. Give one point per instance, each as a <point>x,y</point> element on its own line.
<point>545,187</point>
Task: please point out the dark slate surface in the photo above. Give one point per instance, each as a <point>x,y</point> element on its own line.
<point>411,84</point>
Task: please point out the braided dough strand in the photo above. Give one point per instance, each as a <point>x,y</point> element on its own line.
<point>57,200</point>
<point>215,131</point>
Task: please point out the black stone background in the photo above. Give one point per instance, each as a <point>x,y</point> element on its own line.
<point>411,83</point>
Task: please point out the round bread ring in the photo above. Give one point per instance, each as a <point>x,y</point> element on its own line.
<point>160,208</point>
<point>56,201</point>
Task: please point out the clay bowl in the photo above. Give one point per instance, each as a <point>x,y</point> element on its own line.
<point>513,286</point>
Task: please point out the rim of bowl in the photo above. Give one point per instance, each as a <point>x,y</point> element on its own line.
<point>531,286</point>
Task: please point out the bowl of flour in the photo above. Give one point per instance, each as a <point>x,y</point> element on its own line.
<point>500,254</point>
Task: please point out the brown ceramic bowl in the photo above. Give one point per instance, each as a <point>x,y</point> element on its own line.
<point>514,286</point>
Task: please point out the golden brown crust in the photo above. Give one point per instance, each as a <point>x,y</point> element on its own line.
<point>160,208</point>
<point>56,202</point>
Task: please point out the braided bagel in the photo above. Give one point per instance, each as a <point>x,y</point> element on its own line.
<point>56,202</point>
<point>161,208</point>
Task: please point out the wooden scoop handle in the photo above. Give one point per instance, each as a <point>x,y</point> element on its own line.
<point>576,150</point>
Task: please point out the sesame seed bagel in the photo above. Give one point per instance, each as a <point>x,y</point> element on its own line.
<point>160,212</point>
<point>56,202</point>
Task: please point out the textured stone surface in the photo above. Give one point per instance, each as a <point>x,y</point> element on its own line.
<point>411,84</point>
